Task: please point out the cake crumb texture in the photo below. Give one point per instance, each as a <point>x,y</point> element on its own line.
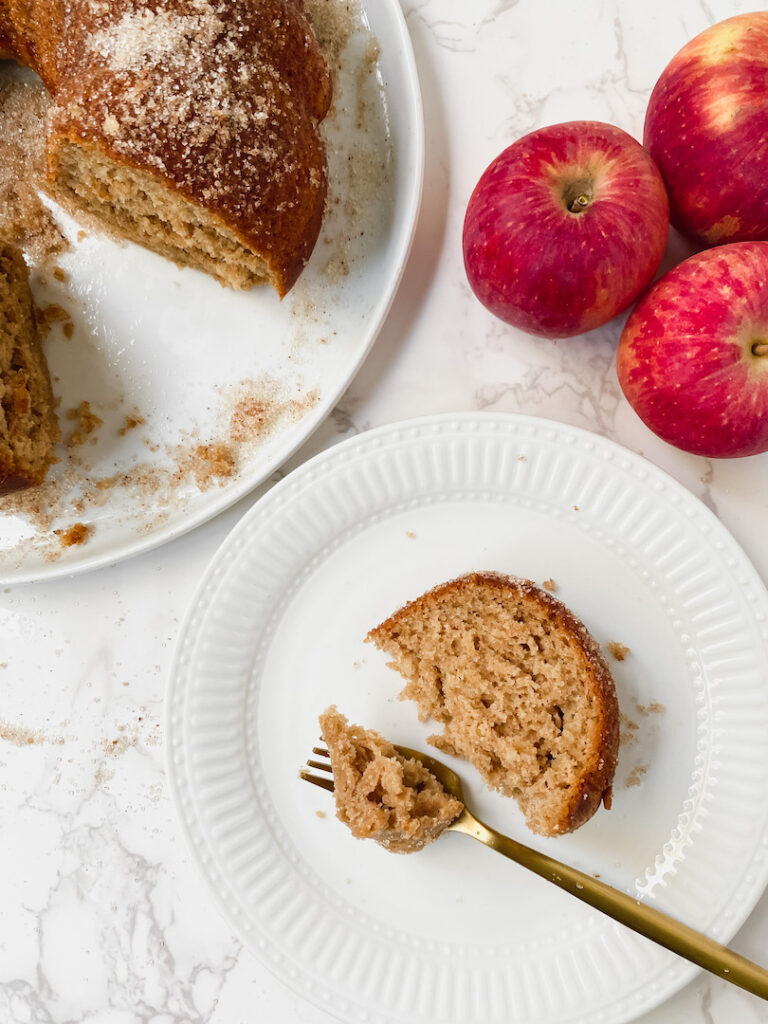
<point>28,425</point>
<point>382,795</point>
<point>520,688</point>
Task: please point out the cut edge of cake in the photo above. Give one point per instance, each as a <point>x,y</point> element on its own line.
<point>132,205</point>
<point>29,427</point>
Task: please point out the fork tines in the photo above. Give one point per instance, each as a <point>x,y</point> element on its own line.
<point>323,766</point>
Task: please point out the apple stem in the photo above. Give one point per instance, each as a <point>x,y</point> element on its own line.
<point>579,203</point>
<point>760,348</point>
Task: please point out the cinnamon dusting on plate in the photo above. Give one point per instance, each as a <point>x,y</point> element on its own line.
<point>249,415</point>
<point>20,736</point>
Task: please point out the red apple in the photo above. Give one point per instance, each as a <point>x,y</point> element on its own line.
<point>693,356</point>
<point>707,129</point>
<point>565,228</point>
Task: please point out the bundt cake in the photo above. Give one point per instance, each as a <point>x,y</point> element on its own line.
<point>188,126</point>
<point>520,688</point>
<point>28,426</point>
<point>382,795</point>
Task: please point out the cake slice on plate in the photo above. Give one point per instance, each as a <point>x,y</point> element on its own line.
<point>521,690</point>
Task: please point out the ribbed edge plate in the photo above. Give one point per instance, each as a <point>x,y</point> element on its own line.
<point>457,934</point>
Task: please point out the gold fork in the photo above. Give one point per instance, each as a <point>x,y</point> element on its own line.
<point>629,911</point>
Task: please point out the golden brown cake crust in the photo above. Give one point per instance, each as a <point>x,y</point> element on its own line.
<point>29,33</point>
<point>218,100</point>
<point>7,49</point>
<point>593,785</point>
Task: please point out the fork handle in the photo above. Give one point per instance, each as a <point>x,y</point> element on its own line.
<point>627,910</point>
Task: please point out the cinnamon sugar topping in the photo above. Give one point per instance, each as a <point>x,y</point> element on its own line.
<point>146,37</point>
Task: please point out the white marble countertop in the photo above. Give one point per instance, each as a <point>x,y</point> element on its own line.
<point>102,917</point>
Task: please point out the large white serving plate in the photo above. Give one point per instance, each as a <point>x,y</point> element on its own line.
<point>458,935</point>
<point>182,351</point>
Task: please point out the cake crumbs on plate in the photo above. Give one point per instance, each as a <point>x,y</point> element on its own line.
<point>211,462</point>
<point>74,535</point>
<point>635,777</point>
<point>628,730</point>
<point>249,414</point>
<point>54,314</point>
<point>320,814</point>
<point>88,422</point>
<point>132,421</point>
<point>259,406</point>
<point>410,534</point>
<point>654,708</point>
<point>617,650</point>
<point>549,585</point>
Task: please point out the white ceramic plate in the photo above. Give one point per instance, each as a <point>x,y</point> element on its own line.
<point>187,355</point>
<point>457,933</point>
